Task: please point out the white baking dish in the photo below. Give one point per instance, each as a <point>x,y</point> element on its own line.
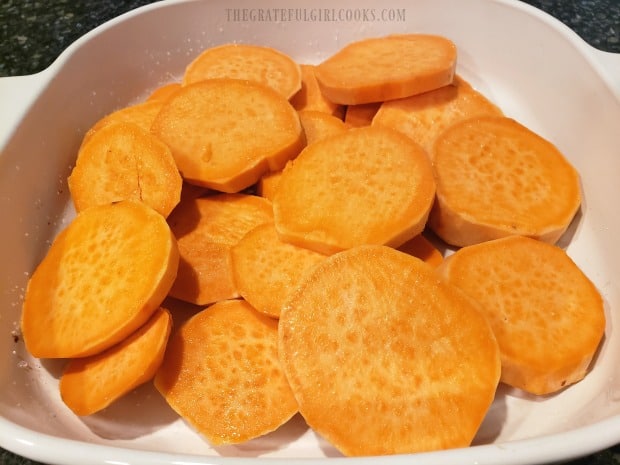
<point>535,68</point>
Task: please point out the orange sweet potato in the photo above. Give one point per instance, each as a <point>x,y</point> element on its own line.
<point>364,186</point>
<point>142,114</point>
<point>497,178</point>
<point>225,133</point>
<point>424,116</point>
<point>102,278</point>
<point>222,374</point>
<point>265,269</point>
<point>206,228</point>
<point>386,68</point>
<point>122,161</point>
<point>90,384</point>
<point>547,315</point>
<point>264,65</point>
<point>371,335</point>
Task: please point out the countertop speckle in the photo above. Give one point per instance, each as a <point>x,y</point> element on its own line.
<point>34,32</point>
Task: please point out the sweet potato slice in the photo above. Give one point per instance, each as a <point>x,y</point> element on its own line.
<point>497,178</point>
<point>318,125</point>
<point>122,161</point>
<point>266,270</point>
<point>364,186</point>
<point>357,116</point>
<point>225,133</point>
<point>102,278</point>
<point>372,336</point>
<point>222,374</point>
<point>548,317</point>
<point>386,68</point>
<point>90,384</point>
<point>142,114</point>
<point>206,228</point>
<point>424,249</point>
<point>264,65</point>
<point>310,97</point>
<point>424,116</point>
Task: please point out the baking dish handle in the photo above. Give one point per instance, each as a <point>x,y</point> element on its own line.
<point>610,62</point>
<point>17,94</point>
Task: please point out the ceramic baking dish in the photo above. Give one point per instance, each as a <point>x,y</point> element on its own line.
<point>531,65</point>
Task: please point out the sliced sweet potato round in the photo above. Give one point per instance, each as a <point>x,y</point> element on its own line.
<point>386,68</point>
<point>266,270</point>
<point>102,278</point>
<point>364,186</point>
<point>142,114</point>
<point>257,63</point>
<point>90,384</point>
<point>496,178</point>
<point>122,161</point>
<point>383,358</point>
<point>548,317</point>
<point>424,116</point>
<point>206,228</point>
<point>225,133</point>
<point>222,374</point>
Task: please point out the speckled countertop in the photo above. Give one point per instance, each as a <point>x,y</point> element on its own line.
<point>34,32</point>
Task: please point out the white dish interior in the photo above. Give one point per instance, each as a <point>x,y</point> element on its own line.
<point>534,68</point>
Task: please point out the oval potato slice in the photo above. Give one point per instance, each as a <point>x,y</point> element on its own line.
<point>264,65</point>
<point>206,228</point>
<point>547,315</point>
<point>225,133</point>
<point>387,68</point>
<point>222,374</point>
<point>383,358</point>
<point>102,278</point>
<point>496,178</point>
<point>363,186</point>
<point>90,384</point>
<point>122,161</point>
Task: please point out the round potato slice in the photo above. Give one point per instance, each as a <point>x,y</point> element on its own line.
<point>266,269</point>
<point>102,278</point>
<point>221,373</point>
<point>141,114</point>
<point>386,68</point>
<point>383,358</point>
<point>547,315</point>
<point>261,64</point>
<point>363,186</point>
<point>122,161</point>
<point>225,133</point>
<point>90,384</point>
<point>206,228</point>
<point>423,117</point>
<point>496,178</point>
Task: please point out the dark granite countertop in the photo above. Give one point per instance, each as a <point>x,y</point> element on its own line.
<point>34,32</point>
